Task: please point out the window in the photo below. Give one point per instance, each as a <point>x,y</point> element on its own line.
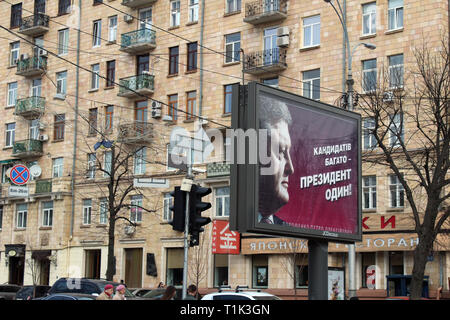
<point>311,31</point>
<point>191,104</point>
<point>14,53</point>
<point>36,87</point>
<point>93,121</point>
<point>271,50</point>
<point>92,159</point>
<point>174,266</point>
<point>16,15</point>
<point>110,73</point>
<point>222,201</point>
<point>107,163</point>
<point>369,141</point>
<point>61,83</point>
<point>95,79</point>
<point>97,33</point>
<point>397,192</point>
<point>5,168</point>
<point>367,260</point>
<point>103,211</point>
<point>34,129</point>
<point>10,134</point>
<point>395,14</point>
<point>21,215</point>
<point>136,209</point>
<point>109,118</point>
<point>168,202</point>
<point>63,41</point>
<point>301,269</point>
<point>369,18</point>
<point>139,161</point>
<point>145,18</point>
<point>47,213</point>
<point>227,98</point>
<point>12,94</point>
<point>112,28</point>
<point>369,192</point>
<point>396,71</point>
<point>173,60</point>
<point>233,6</point>
<point>63,7</point>
<point>193,10</point>
<point>87,211</point>
<point>192,56</point>
<point>273,82</point>
<point>396,133</point>
<point>369,81</point>
<point>396,262</point>
<point>58,128</point>
<point>173,106</point>
<point>58,167</point>
<point>232,47</point>
<point>311,84</point>
<point>220,269</point>
<point>167,159</point>
<point>260,270</point>
<point>174,13</point>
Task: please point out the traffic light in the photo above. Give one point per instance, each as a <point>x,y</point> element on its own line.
<point>196,206</point>
<point>178,209</point>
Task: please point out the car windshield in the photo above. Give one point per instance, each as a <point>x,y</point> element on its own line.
<point>154,293</point>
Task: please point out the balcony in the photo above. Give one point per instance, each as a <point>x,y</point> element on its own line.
<point>136,86</point>
<point>34,25</point>
<point>217,169</point>
<point>29,148</point>
<point>264,11</point>
<point>139,41</point>
<point>43,186</point>
<point>267,61</point>
<point>137,3</point>
<point>30,67</point>
<point>135,132</point>
<point>30,108</point>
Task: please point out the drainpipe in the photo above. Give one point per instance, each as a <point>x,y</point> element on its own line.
<point>344,52</point>
<point>202,25</point>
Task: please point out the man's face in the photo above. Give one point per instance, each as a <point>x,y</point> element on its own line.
<point>277,184</point>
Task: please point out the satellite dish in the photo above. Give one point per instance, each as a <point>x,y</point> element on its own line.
<point>8,172</point>
<point>35,171</point>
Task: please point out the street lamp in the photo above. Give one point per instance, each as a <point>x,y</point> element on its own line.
<point>350,82</point>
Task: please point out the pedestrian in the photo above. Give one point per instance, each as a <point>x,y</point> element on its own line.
<point>191,292</point>
<point>161,285</point>
<point>169,294</point>
<point>120,293</point>
<point>107,293</point>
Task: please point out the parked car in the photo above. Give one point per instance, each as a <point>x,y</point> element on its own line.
<point>85,286</point>
<point>139,292</point>
<point>32,292</point>
<point>156,294</point>
<point>226,293</point>
<point>68,296</point>
<point>8,291</point>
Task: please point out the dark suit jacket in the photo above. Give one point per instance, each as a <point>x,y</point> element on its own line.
<point>279,221</point>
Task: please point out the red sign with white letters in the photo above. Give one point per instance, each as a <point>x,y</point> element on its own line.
<point>223,240</point>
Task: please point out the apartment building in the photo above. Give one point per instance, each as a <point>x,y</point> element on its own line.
<point>76,73</point>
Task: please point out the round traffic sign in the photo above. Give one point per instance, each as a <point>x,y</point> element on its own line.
<point>19,174</point>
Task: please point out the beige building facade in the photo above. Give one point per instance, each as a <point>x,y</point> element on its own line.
<point>75,73</point>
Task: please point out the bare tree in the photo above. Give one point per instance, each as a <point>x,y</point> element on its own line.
<point>294,257</point>
<point>408,115</point>
<point>198,259</point>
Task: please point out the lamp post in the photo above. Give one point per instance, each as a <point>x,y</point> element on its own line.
<point>349,81</point>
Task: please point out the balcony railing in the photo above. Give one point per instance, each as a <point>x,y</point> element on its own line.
<point>267,61</point>
<point>43,186</point>
<point>137,3</point>
<point>138,41</point>
<point>30,108</point>
<point>27,148</point>
<point>33,66</point>
<point>135,132</point>
<point>217,169</point>
<point>34,25</point>
<point>263,11</point>
<point>136,86</point>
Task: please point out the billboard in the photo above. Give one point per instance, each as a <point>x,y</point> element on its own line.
<point>296,166</point>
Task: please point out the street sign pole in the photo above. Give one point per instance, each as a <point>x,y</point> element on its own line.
<point>317,269</point>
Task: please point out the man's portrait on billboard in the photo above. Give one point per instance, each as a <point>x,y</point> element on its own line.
<point>273,188</point>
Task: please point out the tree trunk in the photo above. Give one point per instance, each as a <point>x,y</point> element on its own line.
<point>111,265</point>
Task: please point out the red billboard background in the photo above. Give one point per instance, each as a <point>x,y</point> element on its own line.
<point>224,240</point>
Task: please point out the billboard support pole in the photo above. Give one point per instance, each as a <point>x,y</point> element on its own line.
<point>317,269</point>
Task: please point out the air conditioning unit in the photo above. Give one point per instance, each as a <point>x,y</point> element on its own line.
<point>127,18</point>
<point>128,230</point>
<point>146,72</point>
<point>283,31</point>
<point>283,41</point>
<point>167,118</point>
<point>43,137</point>
<point>388,96</point>
<point>156,109</point>
<point>24,56</point>
<point>203,121</point>
<point>42,52</point>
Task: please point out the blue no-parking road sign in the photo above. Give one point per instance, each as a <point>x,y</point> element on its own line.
<point>19,174</point>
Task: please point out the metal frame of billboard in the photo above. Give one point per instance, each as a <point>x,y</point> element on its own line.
<point>244,187</point>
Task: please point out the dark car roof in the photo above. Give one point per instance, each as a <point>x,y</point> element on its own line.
<point>75,295</point>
